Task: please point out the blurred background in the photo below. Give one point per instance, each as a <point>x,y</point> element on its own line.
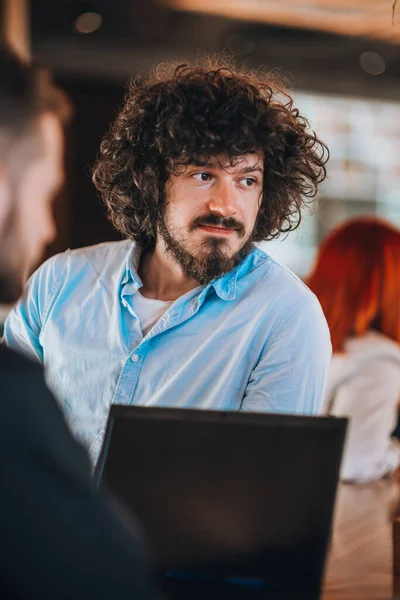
<point>341,57</point>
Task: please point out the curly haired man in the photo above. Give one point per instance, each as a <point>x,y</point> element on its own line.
<point>202,162</point>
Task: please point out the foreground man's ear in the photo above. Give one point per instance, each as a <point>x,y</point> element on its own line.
<point>5,196</point>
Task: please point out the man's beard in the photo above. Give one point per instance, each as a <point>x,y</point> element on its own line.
<point>11,278</point>
<point>211,260</point>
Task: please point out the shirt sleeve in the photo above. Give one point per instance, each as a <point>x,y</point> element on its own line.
<point>290,375</point>
<point>63,540</point>
<point>26,320</point>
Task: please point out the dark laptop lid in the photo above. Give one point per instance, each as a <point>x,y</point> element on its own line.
<point>233,498</point>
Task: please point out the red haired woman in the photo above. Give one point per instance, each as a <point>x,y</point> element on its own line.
<point>357,281</point>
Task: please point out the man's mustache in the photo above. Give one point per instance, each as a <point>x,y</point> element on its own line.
<point>213,220</point>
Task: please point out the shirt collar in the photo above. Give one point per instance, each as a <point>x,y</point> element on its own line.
<point>225,286</point>
<point>131,281</point>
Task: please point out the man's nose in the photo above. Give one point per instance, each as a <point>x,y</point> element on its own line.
<point>223,200</point>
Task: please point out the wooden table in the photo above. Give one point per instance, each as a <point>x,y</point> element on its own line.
<point>360,562</point>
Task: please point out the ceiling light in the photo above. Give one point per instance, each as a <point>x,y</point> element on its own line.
<point>242,44</point>
<point>88,22</point>
<point>372,63</point>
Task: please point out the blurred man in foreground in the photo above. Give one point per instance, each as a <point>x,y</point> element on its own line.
<point>58,538</point>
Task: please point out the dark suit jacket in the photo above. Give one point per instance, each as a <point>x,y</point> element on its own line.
<point>58,538</point>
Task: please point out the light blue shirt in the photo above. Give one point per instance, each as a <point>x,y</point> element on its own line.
<point>254,339</point>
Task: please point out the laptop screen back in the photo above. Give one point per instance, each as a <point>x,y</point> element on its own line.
<point>242,498</point>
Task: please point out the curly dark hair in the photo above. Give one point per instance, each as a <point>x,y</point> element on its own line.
<point>186,114</point>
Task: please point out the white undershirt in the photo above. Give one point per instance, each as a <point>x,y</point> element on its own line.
<point>148,310</point>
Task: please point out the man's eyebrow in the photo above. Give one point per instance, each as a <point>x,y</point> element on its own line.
<point>207,165</point>
<point>251,170</point>
<point>212,165</point>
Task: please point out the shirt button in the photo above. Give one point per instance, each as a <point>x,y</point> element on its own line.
<point>134,358</point>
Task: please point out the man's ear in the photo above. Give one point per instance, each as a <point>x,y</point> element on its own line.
<point>5,196</point>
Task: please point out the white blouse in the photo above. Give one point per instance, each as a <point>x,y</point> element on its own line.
<point>364,384</point>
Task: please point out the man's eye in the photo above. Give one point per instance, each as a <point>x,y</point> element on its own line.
<point>249,181</point>
<point>203,176</point>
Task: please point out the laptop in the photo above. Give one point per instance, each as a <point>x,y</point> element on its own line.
<point>235,506</point>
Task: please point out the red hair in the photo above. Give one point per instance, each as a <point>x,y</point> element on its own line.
<point>356,278</point>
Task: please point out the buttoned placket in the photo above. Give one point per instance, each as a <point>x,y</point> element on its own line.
<point>177,314</point>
